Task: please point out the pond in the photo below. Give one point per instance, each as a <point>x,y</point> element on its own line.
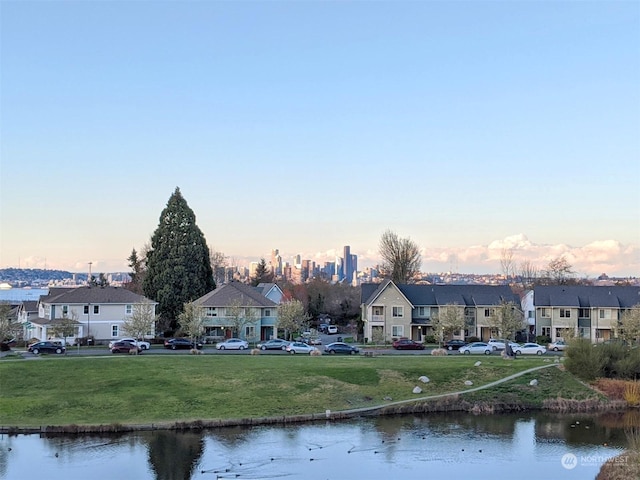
<point>522,446</point>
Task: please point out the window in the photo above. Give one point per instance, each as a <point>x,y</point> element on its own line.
<point>267,312</point>
<point>128,309</point>
<point>249,331</point>
<point>565,313</point>
<point>114,331</point>
<point>546,331</point>
<point>545,312</point>
<point>488,312</point>
<point>211,312</point>
<point>605,313</point>
<point>377,311</point>
<point>531,314</point>
<point>86,309</point>
<point>65,310</point>
<point>398,312</point>
<point>96,309</point>
<point>397,330</point>
<point>584,313</point>
<point>424,311</point>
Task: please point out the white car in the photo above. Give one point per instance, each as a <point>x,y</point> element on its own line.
<point>557,346</point>
<point>530,349</point>
<point>300,347</point>
<point>232,344</point>
<point>476,347</point>
<point>495,344</point>
<point>332,329</point>
<point>141,344</point>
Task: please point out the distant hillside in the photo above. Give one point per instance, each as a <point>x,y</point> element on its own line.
<point>29,276</point>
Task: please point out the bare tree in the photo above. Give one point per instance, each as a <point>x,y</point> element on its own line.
<point>529,274</point>
<point>218,265</point>
<point>401,259</point>
<point>140,322</point>
<point>9,327</point>
<point>291,317</point>
<point>559,271</point>
<point>448,321</point>
<point>507,263</point>
<point>66,326</point>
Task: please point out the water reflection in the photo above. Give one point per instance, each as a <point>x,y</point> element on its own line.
<point>377,447</point>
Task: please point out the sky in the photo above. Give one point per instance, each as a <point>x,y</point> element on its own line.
<point>468,127</point>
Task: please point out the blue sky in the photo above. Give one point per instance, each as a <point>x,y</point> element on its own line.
<point>306,126</point>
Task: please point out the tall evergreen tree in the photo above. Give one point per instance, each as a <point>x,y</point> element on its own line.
<point>178,264</point>
<point>263,274</point>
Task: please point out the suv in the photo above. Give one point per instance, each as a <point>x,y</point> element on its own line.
<point>331,329</point>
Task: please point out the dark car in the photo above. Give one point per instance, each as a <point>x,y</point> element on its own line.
<point>454,344</point>
<point>407,344</point>
<point>180,343</point>
<point>124,346</point>
<point>340,347</point>
<point>273,344</point>
<point>46,347</point>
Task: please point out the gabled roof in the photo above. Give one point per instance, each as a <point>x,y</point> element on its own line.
<point>235,293</point>
<point>95,295</point>
<point>374,293</point>
<point>266,288</point>
<point>438,295</point>
<point>584,296</point>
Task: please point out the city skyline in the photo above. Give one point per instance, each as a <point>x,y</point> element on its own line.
<point>468,127</point>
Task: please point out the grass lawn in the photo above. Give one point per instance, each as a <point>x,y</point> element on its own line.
<point>148,389</point>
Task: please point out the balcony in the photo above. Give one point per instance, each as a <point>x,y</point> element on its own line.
<point>377,318</point>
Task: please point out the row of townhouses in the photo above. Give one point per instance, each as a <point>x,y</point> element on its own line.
<point>389,310</point>
<point>392,310</point>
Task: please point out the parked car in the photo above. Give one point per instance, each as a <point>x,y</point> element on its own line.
<point>232,344</point>
<point>124,346</point>
<point>332,329</point>
<point>322,328</point>
<point>46,347</point>
<point>407,344</point>
<point>313,341</point>
<point>557,346</point>
<point>341,347</point>
<point>139,343</point>
<point>496,344</point>
<point>181,343</point>
<point>273,344</point>
<point>476,347</point>
<point>454,344</point>
<point>530,349</point>
<point>300,347</point>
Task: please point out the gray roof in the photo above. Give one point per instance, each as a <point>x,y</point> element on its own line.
<point>235,293</point>
<point>582,296</point>
<point>96,295</point>
<point>437,295</point>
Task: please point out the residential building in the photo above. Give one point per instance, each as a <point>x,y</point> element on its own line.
<point>583,311</point>
<point>99,312</point>
<point>391,311</point>
<point>237,309</point>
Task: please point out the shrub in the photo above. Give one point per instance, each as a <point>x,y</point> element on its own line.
<point>472,339</point>
<point>429,339</point>
<point>632,393</point>
<point>629,366</point>
<point>584,360</point>
<point>611,354</point>
<point>543,340</point>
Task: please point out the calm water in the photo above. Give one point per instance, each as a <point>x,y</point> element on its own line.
<point>408,447</point>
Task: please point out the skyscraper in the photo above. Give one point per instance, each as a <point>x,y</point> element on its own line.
<point>347,264</point>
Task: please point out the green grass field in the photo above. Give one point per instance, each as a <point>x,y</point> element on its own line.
<point>150,389</point>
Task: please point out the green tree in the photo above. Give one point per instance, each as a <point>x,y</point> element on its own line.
<point>136,264</point>
<point>630,325</point>
<point>178,263</point>
<point>192,321</point>
<point>291,317</point>
<point>141,320</point>
<point>448,321</point>
<point>401,259</point>
<point>262,275</point>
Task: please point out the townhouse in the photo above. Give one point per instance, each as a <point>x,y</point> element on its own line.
<point>583,311</point>
<point>391,311</point>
